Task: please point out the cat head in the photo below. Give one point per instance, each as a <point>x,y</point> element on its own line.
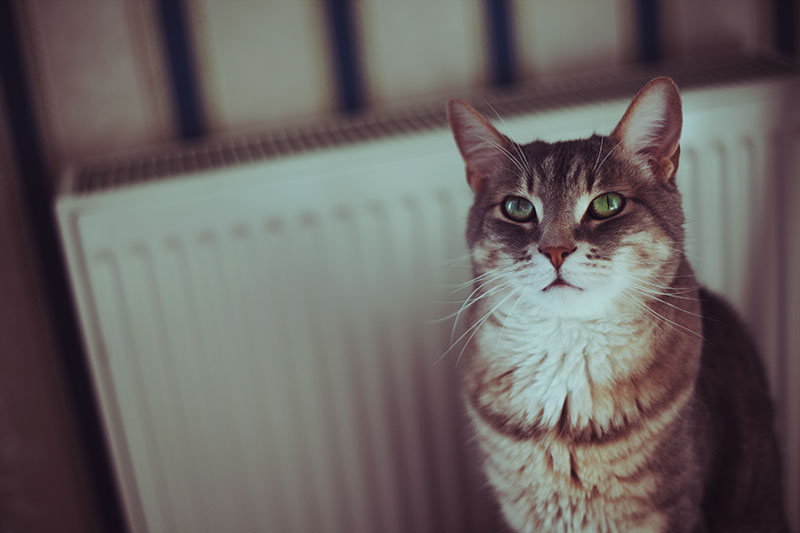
<point>577,227</point>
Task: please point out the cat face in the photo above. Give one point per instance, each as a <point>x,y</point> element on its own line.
<point>582,227</point>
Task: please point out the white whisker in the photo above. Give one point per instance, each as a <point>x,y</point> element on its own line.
<point>608,154</point>
<point>508,131</point>
<point>484,319</point>
<point>598,154</point>
<point>469,303</point>
<point>656,298</point>
<point>511,312</point>
<point>507,269</point>
<point>501,149</point>
<point>647,308</point>
<point>475,325</point>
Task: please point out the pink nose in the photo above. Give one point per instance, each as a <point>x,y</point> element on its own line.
<point>556,254</point>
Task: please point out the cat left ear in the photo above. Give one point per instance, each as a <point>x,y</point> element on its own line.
<point>652,126</point>
<point>482,147</point>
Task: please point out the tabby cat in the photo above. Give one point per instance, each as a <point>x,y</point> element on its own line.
<point>608,392</point>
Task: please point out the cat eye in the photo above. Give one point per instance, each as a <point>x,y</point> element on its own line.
<point>518,209</point>
<point>606,205</point>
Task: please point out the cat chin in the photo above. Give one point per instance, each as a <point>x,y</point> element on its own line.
<point>571,302</point>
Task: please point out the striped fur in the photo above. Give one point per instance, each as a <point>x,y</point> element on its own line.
<point>593,386</point>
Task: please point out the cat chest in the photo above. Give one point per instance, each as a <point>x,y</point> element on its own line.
<point>544,485</point>
<point>557,376</point>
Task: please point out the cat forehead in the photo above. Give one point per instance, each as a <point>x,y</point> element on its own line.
<point>566,166</point>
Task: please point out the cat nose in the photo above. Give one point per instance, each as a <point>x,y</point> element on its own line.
<point>556,254</point>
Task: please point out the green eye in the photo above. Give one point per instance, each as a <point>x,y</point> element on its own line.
<point>606,205</point>
<point>518,209</point>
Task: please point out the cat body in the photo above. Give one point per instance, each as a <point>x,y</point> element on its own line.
<point>599,398</point>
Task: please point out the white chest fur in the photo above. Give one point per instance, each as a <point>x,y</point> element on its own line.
<point>531,369</point>
<point>548,361</point>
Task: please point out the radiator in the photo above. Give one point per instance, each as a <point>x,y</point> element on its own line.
<point>260,311</point>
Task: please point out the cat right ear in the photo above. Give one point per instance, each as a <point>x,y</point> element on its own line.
<point>652,126</point>
<point>482,147</point>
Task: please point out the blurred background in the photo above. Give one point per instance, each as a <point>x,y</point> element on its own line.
<point>87,78</point>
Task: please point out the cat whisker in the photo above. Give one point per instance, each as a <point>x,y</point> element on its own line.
<point>666,278</point>
<point>649,265</point>
<point>684,310</point>
<point>671,293</point>
<point>600,151</point>
<point>655,285</point>
<point>508,154</point>
<point>467,303</point>
<point>480,287</point>
<point>511,312</point>
<point>655,320</point>
<point>510,135</point>
<point>499,270</point>
<point>606,157</point>
<point>645,262</point>
<point>671,287</point>
<point>648,292</point>
<point>455,313</point>
<point>457,287</point>
<point>642,307</point>
<point>675,324</point>
<point>656,298</point>
<point>502,270</point>
<point>480,323</point>
<point>658,315</point>
<point>477,324</point>
<point>652,281</point>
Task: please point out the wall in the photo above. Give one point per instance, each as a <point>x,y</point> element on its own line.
<point>44,482</point>
<point>102,73</point>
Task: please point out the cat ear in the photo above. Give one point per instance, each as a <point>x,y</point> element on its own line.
<point>652,126</point>
<point>482,147</point>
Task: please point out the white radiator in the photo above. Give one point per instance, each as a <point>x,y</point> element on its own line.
<point>260,325</point>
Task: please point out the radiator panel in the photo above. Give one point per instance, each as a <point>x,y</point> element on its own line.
<point>263,336</point>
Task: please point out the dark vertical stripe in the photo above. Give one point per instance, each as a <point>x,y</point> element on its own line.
<point>648,30</point>
<point>501,42</point>
<point>185,91</point>
<point>784,14</point>
<point>36,194</point>
<point>345,57</point>
<point>782,188</point>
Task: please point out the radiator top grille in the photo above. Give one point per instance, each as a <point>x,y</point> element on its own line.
<point>109,173</point>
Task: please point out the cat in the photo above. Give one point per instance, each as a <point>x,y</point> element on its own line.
<point>606,389</point>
